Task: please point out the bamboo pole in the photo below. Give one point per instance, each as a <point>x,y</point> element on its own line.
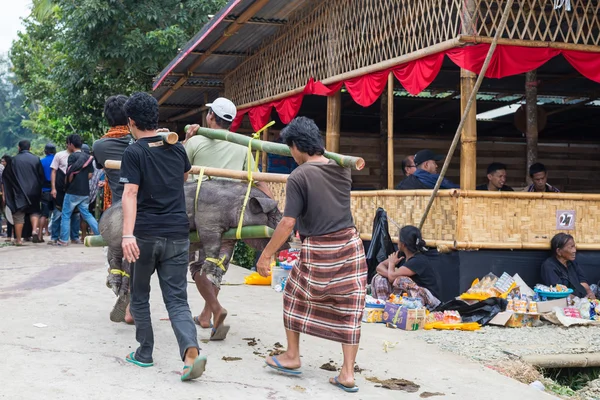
<point>403,193</point>
<point>276,148</point>
<point>390,132</point>
<point>530,43</point>
<point>334,117</point>
<point>585,360</point>
<point>430,242</point>
<point>486,64</point>
<point>248,232</point>
<point>222,173</point>
<point>406,58</point>
<point>529,195</point>
<point>468,137</point>
<point>531,111</point>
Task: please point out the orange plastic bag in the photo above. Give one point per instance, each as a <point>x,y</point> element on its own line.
<point>256,279</point>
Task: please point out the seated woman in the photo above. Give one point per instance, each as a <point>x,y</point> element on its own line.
<point>561,268</point>
<point>415,277</point>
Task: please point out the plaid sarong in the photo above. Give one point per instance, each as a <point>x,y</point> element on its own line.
<point>325,293</point>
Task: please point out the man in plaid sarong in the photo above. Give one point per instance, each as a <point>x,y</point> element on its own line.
<point>325,293</point>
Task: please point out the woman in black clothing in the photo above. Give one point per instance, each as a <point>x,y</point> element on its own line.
<point>561,268</point>
<point>408,271</point>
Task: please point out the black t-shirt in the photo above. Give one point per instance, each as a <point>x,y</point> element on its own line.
<point>80,185</point>
<point>158,169</point>
<point>112,149</point>
<point>411,183</point>
<point>425,275</point>
<point>505,188</point>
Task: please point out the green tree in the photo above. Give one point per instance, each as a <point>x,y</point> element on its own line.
<point>72,55</point>
<point>12,114</point>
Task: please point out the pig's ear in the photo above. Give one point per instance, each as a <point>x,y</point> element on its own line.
<point>259,205</point>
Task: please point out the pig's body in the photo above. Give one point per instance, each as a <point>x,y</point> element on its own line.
<point>218,210</point>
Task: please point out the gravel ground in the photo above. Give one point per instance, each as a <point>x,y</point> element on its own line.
<point>492,345</point>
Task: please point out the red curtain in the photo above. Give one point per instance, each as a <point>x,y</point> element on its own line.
<point>588,64</point>
<point>417,75</point>
<point>506,60</point>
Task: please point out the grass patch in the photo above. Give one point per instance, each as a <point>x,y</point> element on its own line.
<point>573,378</point>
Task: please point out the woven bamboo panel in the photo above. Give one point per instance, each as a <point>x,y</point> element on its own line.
<point>278,190</point>
<point>328,38</point>
<point>407,210</point>
<point>538,20</point>
<point>506,220</point>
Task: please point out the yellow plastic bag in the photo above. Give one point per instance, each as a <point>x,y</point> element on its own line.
<point>256,279</point>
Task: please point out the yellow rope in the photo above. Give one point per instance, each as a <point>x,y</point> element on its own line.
<point>217,262</point>
<point>256,135</point>
<point>119,272</point>
<point>198,189</point>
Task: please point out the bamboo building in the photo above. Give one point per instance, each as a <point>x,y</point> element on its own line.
<point>386,78</point>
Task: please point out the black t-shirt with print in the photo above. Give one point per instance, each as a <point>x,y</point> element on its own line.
<point>80,185</point>
<point>425,275</point>
<point>158,169</point>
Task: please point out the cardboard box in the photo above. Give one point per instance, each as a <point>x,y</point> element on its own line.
<point>548,306</point>
<point>404,318</point>
<point>515,320</point>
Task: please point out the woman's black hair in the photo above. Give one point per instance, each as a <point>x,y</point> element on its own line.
<point>6,158</point>
<point>559,241</point>
<point>411,237</point>
<point>304,133</point>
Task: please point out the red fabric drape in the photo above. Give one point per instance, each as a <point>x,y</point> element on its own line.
<point>588,64</point>
<point>506,60</point>
<point>417,75</point>
<point>366,89</point>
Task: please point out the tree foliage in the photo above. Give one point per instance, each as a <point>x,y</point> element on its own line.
<point>73,54</point>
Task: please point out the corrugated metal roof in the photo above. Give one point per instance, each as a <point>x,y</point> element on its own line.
<point>250,37</point>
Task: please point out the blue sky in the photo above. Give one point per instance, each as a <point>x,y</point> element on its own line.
<point>10,21</point>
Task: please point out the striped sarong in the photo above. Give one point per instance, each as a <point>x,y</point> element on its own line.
<point>325,293</point>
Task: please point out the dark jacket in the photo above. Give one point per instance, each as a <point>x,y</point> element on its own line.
<point>505,188</point>
<point>554,272</point>
<point>23,181</point>
<point>411,182</point>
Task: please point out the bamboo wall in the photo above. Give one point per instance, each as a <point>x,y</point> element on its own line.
<point>478,220</point>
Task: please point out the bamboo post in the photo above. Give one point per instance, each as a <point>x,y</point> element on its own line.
<point>468,138</point>
<point>390,131</point>
<point>531,112</point>
<point>334,115</point>
<point>486,64</point>
<point>383,145</point>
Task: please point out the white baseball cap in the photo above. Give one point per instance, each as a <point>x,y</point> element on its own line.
<point>224,108</point>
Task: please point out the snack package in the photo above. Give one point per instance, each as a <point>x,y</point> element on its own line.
<point>504,283</point>
<point>571,312</point>
<point>533,307</point>
<point>452,317</point>
<point>510,306</point>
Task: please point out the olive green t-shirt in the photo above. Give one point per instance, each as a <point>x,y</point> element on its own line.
<point>217,154</point>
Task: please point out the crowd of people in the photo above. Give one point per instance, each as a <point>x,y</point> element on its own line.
<point>53,196</point>
<point>421,172</point>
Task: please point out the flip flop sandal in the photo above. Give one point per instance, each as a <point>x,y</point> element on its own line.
<point>131,359</point>
<point>347,389</point>
<point>195,370</point>
<point>219,333</point>
<point>197,322</point>
<point>118,312</point>
<point>280,368</point>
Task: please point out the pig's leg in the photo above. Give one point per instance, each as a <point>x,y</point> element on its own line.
<point>208,279</point>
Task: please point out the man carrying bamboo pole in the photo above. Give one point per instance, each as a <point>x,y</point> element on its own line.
<point>154,211</point>
<point>216,154</point>
<point>325,293</point>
